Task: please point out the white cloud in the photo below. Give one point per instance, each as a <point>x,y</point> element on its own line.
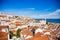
<point>31,8</point>
<point>54,15</point>
<point>35,14</point>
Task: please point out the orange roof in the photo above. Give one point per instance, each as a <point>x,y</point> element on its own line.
<point>30,38</point>
<point>29,20</point>
<point>1,27</point>
<point>38,34</point>
<point>46,30</point>
<point>53,35</point>
<point>35,27</point>
<point>18,24</point>
<point>45,37</point>
<point>3,34</point>
<point>26,32</point>
<point>30,27</point>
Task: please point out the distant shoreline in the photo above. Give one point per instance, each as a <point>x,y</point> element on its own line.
<point>51,20</point>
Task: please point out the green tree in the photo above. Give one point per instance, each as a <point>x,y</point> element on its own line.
<point>11,34</point>
<point>18,33</point>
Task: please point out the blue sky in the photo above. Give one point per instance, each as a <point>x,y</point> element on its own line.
<point>31,8</point>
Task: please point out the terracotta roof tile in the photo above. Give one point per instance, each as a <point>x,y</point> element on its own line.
<point>38,34</point>
<point>45,37</point>
<point>26,32</point>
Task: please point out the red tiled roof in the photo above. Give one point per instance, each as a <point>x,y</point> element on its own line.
<point>26,32</point>
<point>1,27</point>
<point>38,34</point>
<point>45,37</point>
<point>3,36</point>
